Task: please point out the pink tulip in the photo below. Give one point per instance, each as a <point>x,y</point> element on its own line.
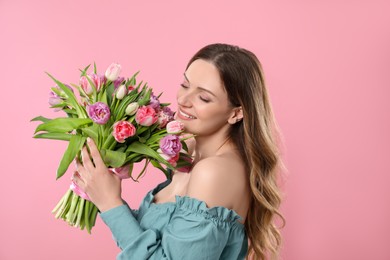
<point>85,85</point>
<point>113,71</point>
<point>175,127</point>
<point>97,81</point>
<point>146,116</point>
<point>122,130</point>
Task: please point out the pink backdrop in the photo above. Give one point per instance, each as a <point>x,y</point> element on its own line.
<point>327,71</point>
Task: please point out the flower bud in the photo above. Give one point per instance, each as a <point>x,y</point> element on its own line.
<point>121,92</point>
<point>85,85</point>
<point>175,127</point>
<point>132,108</point>
<point>97,81</point>
<point>112,72</point>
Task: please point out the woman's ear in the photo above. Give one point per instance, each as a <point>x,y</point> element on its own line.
<point>236,116</point>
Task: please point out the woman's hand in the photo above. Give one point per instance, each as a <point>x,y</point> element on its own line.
<point>94,178</point>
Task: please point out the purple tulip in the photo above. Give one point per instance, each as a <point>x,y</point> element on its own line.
<point>154,102</point>
<point>170,145</point>
<point>55,99</point>
<point>165,115</point>
<point>118,82</point>
<point>99,113</point>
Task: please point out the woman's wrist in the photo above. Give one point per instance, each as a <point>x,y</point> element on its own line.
<point>110,205</point>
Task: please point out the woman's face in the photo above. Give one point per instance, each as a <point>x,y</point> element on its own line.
<point>203,104</point>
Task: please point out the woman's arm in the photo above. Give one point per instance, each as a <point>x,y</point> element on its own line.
<point>190,234</point>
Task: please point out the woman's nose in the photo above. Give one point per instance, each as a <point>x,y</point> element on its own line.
<point>184,99</point>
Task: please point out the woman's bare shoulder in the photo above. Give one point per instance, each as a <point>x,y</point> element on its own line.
<point>217,180</point>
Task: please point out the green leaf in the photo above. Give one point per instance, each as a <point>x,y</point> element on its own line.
<point>113,158</point>
<point>94,94</point>
<point>69,111</point>
<point>62,125</point>
<point>40,118</point>
<point>54,136</point>
<point>184,145</point>
<point>143,170</point>
<point>141,129</point>
<point>75,144</point>
<point>120,112</point>
<point>140,148</point>
<point>130,170</point>
<point>91,131</point>
<point>63,104</point>
<point>103,96</point>
<point>109,91</point>
<point>146,97</point>
<point>71,97</point>
<point>84,72</point>
<point>132,80</point>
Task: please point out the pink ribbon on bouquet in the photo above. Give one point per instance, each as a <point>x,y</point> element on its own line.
<point>121,172</point>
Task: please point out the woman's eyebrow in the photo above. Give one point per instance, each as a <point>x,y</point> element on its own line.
<point>185,76</point>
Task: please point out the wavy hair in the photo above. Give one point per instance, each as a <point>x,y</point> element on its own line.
<point>257,138</point>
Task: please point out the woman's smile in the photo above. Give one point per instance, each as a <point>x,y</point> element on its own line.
<point>185,116</point>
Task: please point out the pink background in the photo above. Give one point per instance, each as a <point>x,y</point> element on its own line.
<point>326,66</point>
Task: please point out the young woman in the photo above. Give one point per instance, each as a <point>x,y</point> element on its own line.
<point>231,193</point>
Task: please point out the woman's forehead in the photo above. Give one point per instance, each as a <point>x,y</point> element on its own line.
<point>205,76</point>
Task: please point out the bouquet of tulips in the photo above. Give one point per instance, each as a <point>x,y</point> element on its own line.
<point>127,122</point>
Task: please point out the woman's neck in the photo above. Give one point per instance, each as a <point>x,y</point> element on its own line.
<point>207,146</point>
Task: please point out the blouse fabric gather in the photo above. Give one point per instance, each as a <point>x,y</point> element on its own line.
<point>185,229</point>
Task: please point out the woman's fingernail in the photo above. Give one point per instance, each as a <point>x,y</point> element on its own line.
<point>88,139</point>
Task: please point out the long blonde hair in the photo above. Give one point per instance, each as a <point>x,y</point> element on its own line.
<point>257,139</point>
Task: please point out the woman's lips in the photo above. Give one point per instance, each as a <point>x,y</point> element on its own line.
<point>183,115</point>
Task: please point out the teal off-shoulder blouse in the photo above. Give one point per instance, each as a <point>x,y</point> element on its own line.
<point>185,229</point>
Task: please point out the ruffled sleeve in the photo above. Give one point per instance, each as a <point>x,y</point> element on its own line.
<point>193,232</point>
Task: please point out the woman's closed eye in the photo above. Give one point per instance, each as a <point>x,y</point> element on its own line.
<point>184,86</point>
<point>204,99</point>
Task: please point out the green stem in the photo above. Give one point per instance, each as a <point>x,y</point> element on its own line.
<point>93,215</point>
<point>108,142</point>
<point>80,211</point>
<point>59,204</point>
<point>143,170</point>
<point>86,215</point>
<point>64,201</point>
<point>70,216</point>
